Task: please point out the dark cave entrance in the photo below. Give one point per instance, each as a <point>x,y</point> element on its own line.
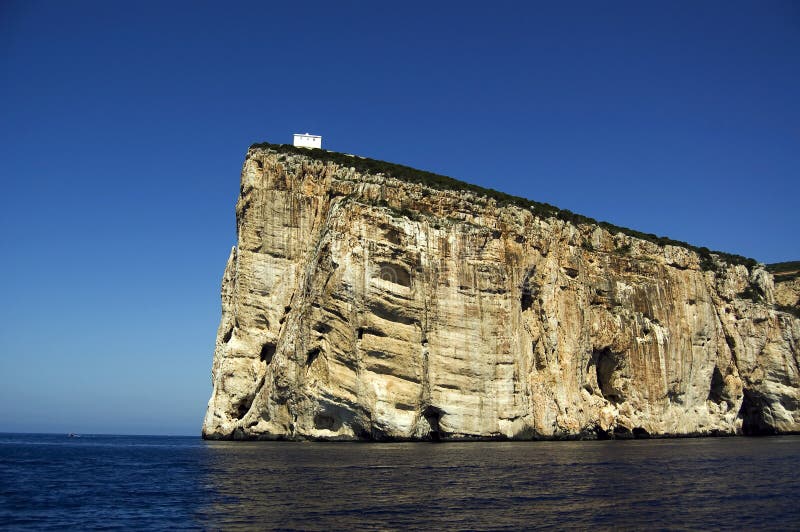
<point>717,388</point>
<point>753,413</point>
<point>267,352</point>
<point>607,365</point>
<point>433,416</point>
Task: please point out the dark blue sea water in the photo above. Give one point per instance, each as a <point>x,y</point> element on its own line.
<point>146,482</point>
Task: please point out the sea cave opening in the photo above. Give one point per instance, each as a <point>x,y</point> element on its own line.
<point>433,416</point>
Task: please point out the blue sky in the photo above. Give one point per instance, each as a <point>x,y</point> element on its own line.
<point>123,126</point>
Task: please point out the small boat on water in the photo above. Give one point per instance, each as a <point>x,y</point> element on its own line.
<point>73,435</point>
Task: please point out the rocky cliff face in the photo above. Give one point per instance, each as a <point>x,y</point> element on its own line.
<point>357,306</point>
<point>787,292</point>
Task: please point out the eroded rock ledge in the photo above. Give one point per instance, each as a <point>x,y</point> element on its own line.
<point>359,306</point>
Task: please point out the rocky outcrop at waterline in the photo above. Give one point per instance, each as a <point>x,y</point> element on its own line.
<point>357,305</point>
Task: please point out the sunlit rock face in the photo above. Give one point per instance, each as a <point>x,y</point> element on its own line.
<point>787,293</point>
<point>357,306</point>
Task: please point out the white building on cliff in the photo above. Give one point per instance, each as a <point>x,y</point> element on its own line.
<point>307,140</point>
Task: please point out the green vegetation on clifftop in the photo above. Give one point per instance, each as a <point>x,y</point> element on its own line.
<point>784,271</point>
<point>543,210</point>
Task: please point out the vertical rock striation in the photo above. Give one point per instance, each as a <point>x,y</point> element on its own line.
<point>359,306</point>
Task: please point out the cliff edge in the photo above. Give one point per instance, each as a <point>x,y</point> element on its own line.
<point>357,305</point>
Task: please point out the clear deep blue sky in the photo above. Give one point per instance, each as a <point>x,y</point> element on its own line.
<point>124,126</point>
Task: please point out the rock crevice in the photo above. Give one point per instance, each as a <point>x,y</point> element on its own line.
<point>360,306</point>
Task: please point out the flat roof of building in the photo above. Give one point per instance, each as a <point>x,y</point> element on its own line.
<point>307,135</point>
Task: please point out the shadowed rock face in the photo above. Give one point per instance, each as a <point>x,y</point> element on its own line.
<point>363,307</point>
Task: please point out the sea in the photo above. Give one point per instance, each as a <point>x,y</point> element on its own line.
<point>158,482</point>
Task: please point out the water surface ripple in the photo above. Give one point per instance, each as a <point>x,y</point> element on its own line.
<point>146,482</point>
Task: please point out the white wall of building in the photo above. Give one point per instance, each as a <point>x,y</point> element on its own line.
<point>306,140</point>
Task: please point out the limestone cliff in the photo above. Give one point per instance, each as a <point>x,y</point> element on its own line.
<point>360,306</point>
<point>787,286</point>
